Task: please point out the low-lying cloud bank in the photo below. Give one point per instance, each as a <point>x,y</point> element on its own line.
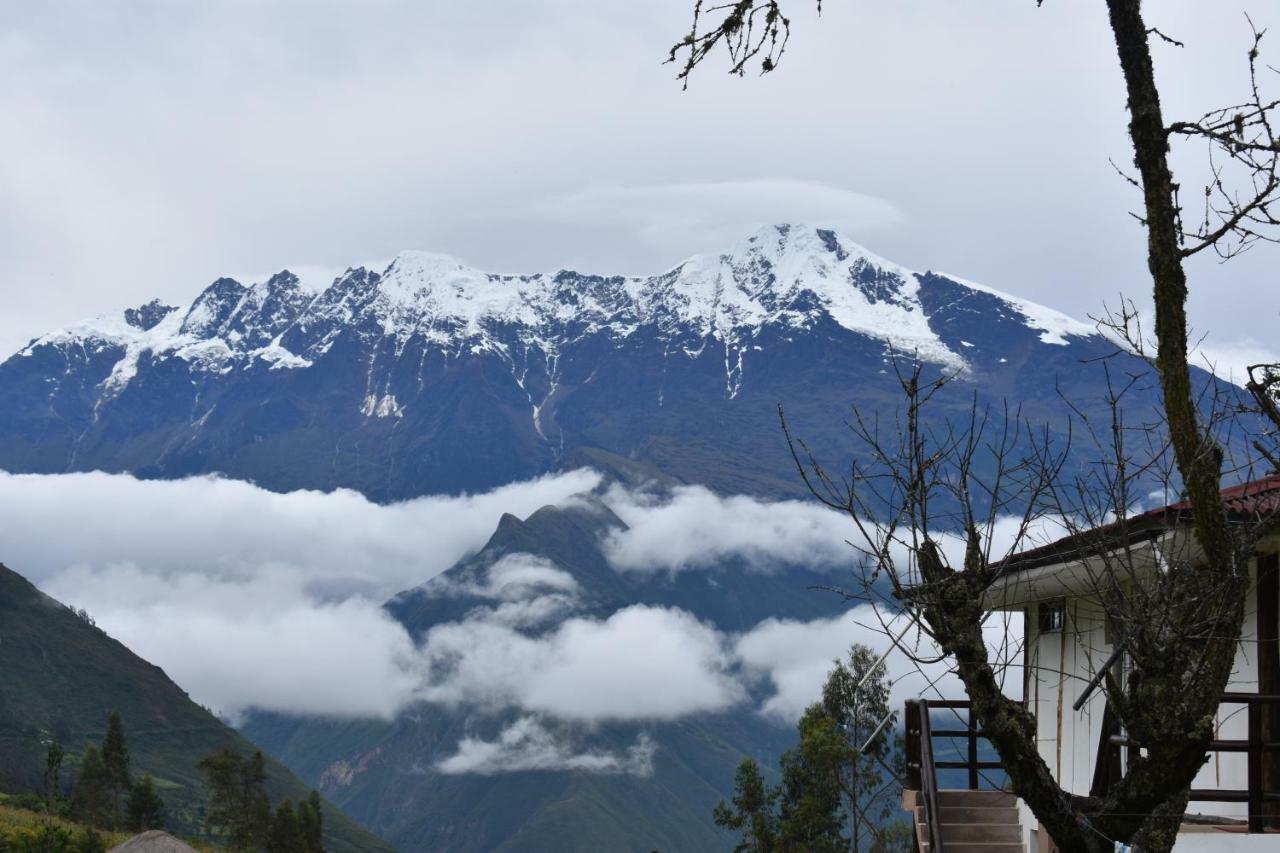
<point>252,599</point>
<point>694,528</point>
<point>214,527</point>
<point>641,663</point>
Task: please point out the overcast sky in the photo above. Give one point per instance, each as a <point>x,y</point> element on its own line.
<point>150,147</point>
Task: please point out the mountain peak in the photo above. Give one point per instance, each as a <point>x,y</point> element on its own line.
<point>793,277</point>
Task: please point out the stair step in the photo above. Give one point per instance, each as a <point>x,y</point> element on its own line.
<point>976,846</point>
<point>976,798</point>
<point>997,833</point>
<point>973,814</point>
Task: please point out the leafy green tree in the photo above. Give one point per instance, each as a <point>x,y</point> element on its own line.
<point>750,812</point>
<point>809,805</point>
<point>115,755</point>
<point>866,773</point>
<point>838,784</point>
<point>145,808</point>
<point>91,798</point>
<point>239,810</point>
<point>311,821</point>
<point>285,835</point>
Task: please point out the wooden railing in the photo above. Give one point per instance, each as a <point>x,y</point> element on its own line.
<point>922,774</point>
<point>923,766</point>
<point>1262,739</point>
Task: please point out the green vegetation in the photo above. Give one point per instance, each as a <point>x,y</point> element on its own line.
<point>240,809</point>
<point>104,795</point>
<point>24,829</point>
<point>64,678</point>
<point>238,815</point>
<point>145,808</point>
<point>839,785</point>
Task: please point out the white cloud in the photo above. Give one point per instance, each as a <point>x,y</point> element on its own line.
<point>251,598</point>
<point>254,599</point>
<point>156,146</point>
<point>795,657</point>
<point>528,745</point>
<point>511,578</point>
<point>697,528</point>
<point>694,528</point>
<point>255,642</point>
<point>641,663</point>
<point>1230,360</point>
<point>214,527</point>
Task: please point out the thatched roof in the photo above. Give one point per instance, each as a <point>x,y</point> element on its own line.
<point>153,841</point>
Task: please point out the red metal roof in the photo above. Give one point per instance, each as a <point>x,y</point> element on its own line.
<point>1256,500</point>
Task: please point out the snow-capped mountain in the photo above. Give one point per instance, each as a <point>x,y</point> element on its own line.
<point>430,375</point>
<point>779,276</point>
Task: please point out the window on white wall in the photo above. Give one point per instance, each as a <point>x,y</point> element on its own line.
<point>1051,617</point>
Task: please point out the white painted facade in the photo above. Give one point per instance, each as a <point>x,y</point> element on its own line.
<point>1059,667</point>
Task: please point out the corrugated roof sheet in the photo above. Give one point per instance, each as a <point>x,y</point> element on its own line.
<point>1254,501</point>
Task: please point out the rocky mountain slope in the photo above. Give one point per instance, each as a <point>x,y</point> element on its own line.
<point>430,376</point>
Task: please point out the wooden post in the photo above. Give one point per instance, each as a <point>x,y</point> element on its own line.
<point>1268,598</point>
<point>973,751</point>
<point>1257,820</point>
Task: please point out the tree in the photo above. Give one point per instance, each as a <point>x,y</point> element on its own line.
<point>91,799</point>
<point>809,803</point>
<point>1182,626</point>
<point>52,788</point>
<point>239,810</point>
<point>286,835</point>
<point>857,700</point>
<point>115,757</point>
<point>837,777</point>
<point>750,812</point>
<point>145,809</point>
<point>311,821</point>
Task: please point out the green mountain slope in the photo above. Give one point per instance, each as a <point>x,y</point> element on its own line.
<point>60,676</point>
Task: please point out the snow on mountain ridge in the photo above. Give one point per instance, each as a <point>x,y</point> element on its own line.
<point>786,275</point>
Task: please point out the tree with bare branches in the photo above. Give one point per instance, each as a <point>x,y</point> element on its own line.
<point>928,502</point>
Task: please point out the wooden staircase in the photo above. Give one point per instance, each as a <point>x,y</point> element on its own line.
<point>973,821</point>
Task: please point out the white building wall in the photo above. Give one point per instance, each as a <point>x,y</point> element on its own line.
<point>1060,666</point>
